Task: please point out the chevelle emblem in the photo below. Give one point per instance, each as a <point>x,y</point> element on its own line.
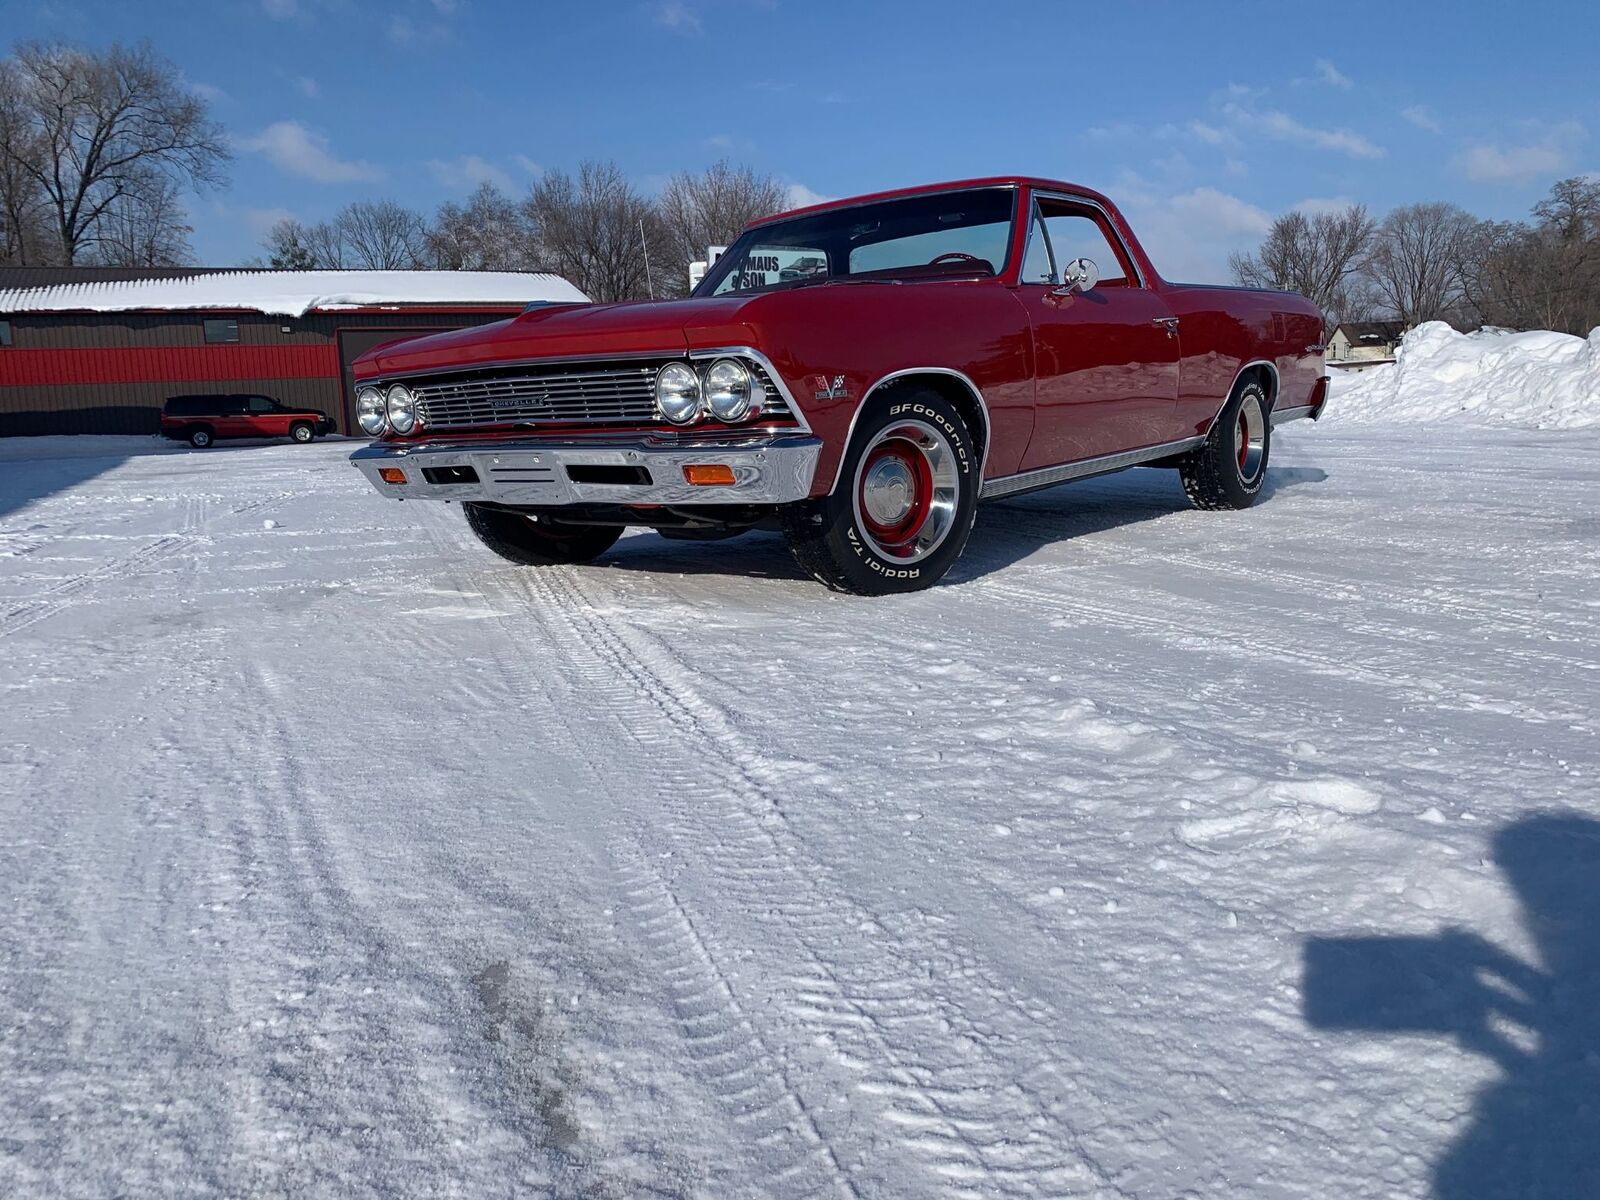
<point>830,389</point>
<point>520,401</point>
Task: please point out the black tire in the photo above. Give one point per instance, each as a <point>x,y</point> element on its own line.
<point>200,439</point>
<point>537,541</point>
<point>302,432</point>
<point>833,538</point>
<point>1228,471</point>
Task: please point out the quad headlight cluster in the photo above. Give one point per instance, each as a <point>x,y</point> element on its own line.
<point>395,408</point>
<point>726,390</point>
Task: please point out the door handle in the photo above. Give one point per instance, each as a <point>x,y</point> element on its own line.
<point>1169,323</point>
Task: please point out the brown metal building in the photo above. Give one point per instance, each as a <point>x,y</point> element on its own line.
<point>99,350</point>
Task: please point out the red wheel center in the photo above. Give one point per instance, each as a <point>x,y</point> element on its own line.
<point>895,492</point>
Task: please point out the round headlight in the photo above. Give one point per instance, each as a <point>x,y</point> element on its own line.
<point>728,391</point>
<point>371,412</point>
<point>402,408</point>
<point>678,393</point>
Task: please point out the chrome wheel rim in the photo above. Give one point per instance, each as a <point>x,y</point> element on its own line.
<point>906,490</point>
<point>1250,439</point>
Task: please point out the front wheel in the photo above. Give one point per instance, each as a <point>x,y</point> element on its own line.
<point>1228,471</point>
<point>538,541</point>
<point>302,432</point>
<point>901,511</point>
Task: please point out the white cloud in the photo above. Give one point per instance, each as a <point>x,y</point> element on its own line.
<point>1189,235</point>
<point>1547,154</point>
<point>469,171</point>
<point>280,10</point>
<point>676,16</point>
<point>307,86</point>
<point>291,147</point>
<point>209,92</point>
<point>1219,212</point>
<point>527,164</point>
<point>259,220</point>
<point>1210,134</point>
<point>800,196</point>
<point>1331,75</point>
<point>1282,126</point>
<point>1422,117</point>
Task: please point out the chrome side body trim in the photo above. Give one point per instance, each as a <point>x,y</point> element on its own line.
<point>776,469</point>
<point>1280,415</point>
<point>1043,477</point>
<point>983,407</point>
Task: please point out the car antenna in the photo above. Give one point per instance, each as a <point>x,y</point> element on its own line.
<point>645,246</point>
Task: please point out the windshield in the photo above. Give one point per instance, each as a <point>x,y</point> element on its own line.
<point>948,234</point>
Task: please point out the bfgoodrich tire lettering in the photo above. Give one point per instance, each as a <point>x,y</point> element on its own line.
<point>903,507</point>
<point>537,541</point>
<point>1228,471</point>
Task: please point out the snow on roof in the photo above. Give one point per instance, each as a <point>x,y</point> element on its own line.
<point>295,293</point>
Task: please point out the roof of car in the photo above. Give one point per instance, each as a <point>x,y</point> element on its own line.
<point>926,189</point>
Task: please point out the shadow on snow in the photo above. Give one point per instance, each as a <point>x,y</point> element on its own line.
<point>1535,1133</point>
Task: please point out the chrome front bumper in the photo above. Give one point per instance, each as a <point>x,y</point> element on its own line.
<point>769,470</point>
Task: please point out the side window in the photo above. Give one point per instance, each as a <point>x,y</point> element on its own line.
<point>260,404</point>
<point>1039,266</point>
<point>1076,233</point>
<point>219,331</point>
<point>5,333</point>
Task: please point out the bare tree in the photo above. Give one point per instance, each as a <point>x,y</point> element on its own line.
<point>289,246</point>
<point>92,129</point>
<point>147,227</point>
<point>1544,275</point>
<point>380,235</point>
<point>1416,259</point>
<point>1321,257</point>
<point>710,209</point>
<point>598,232</point>
<point>24,221</point>
<point>490,234</point>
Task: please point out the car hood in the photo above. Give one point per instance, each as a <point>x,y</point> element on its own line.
<point>668,327</point>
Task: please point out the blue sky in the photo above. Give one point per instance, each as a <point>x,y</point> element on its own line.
<point>1202,119</point>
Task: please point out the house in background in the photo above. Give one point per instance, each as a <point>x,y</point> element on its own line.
<point>1359,344</point>
<point>99,350</point>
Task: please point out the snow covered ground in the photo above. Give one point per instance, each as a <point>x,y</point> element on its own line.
<point>1158,854</point>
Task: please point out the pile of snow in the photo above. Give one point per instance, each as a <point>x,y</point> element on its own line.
<point>1538,380</point>
<point>295,293</point>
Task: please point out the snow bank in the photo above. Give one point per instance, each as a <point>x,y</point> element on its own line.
<point>1538,380</point>
<point>295,293</point>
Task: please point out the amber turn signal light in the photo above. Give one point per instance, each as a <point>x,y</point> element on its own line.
<point>391,474</point>
<point>709,475</point>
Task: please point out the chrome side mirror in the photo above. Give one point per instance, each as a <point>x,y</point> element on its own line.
<point>1079,275</point>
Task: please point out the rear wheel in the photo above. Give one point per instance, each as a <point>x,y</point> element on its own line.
<point>302,432</point>
<point>1228,471</point>
<point>200,438</point>
<point>900,514</point>
<point>538,541</point>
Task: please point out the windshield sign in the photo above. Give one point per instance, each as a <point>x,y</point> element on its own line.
<point>948,235</point>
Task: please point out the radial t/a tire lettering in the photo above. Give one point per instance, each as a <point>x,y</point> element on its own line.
<point>899,516</point>
<point>1228,471</point>
<point>537,541</point>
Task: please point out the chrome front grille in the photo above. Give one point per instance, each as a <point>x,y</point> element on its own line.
<point>593,396</point>
<point>604,394</point>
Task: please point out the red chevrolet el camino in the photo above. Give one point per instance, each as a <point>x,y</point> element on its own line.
<point>858,374</point>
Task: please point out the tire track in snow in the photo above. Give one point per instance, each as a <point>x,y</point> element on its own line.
<point>974,1130</point>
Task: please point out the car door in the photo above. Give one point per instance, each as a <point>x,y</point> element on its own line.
<point>1105,357</point>
<point>264,418</point>
<point>230,420</point>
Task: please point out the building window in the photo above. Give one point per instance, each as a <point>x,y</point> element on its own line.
<point>222,331</point>
<point>5,333</point>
